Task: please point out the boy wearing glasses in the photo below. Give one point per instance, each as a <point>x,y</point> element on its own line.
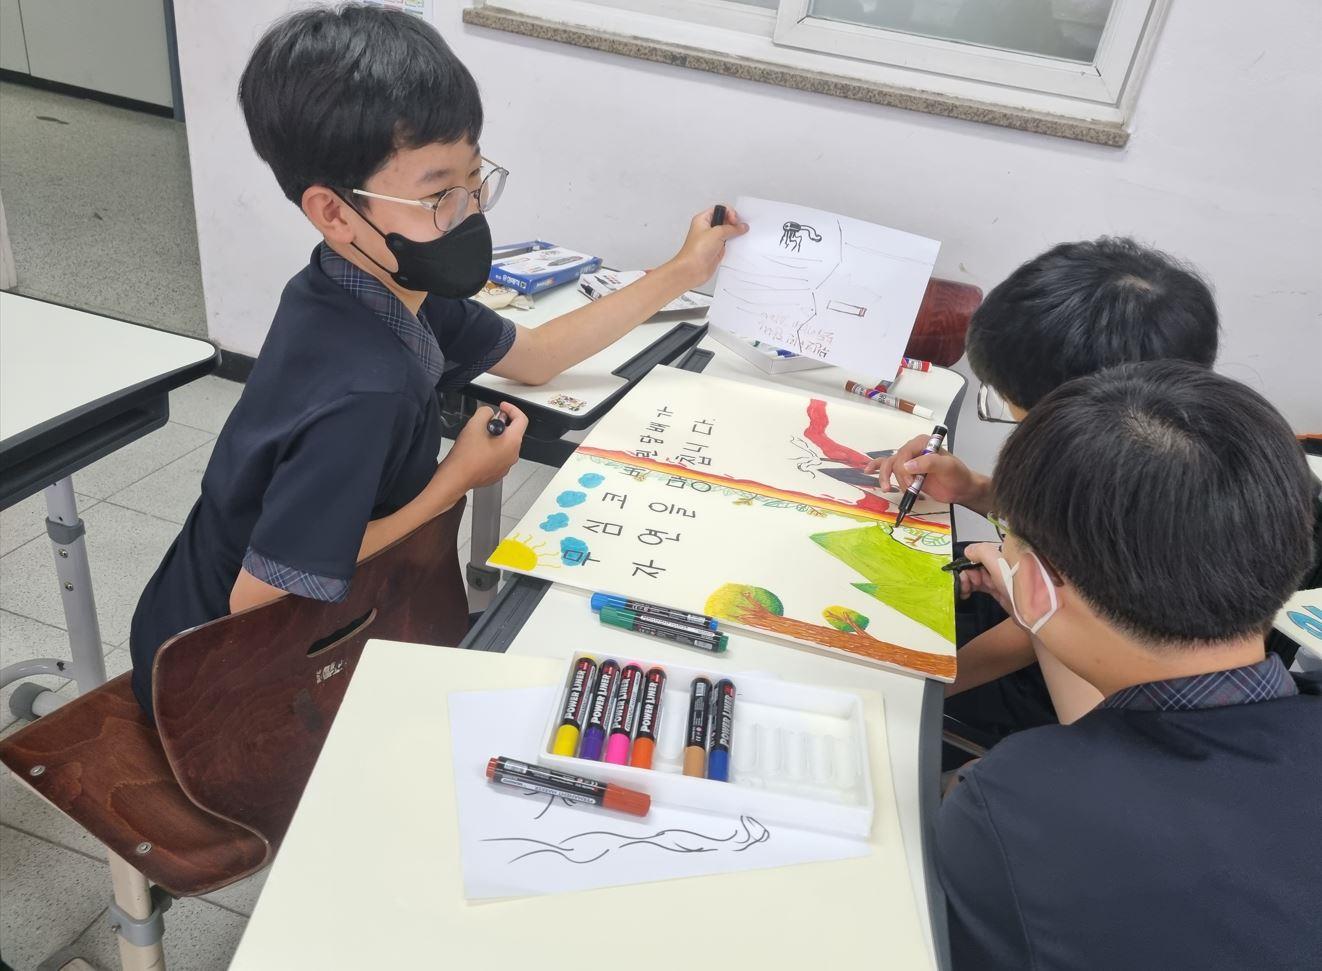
<point>1072,311</point>
<point>370,125</point>
<point>1156,518</point>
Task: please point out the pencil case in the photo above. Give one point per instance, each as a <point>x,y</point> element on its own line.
<point>798,757</point>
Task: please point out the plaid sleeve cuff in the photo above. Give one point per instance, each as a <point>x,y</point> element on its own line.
<point>458,375</point>
<point>298,582</point>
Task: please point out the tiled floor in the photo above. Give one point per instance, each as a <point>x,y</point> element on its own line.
<point>54,883</point>
<point>99,203</point>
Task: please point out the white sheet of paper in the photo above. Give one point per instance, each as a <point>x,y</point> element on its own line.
<point>513,844</point>
<point>823,285</point>
<point>1301,620</point>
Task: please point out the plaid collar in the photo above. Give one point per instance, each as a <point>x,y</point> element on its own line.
<point>1264,681</point>
<point>413,332</point>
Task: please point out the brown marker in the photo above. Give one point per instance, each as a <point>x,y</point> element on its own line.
<point>695,749</point>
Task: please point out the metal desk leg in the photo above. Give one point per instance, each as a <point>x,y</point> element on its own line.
<point>66,532</point>
<point>87,664</point>
<point>483,579</point>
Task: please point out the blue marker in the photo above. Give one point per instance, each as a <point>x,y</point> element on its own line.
<point>600,600</point>
<point>722,731</point>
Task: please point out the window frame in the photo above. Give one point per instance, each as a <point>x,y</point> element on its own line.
<point>1097,100</point>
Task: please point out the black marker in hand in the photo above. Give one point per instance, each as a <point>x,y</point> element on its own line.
<point>498,423</point>
<point>718,216</point>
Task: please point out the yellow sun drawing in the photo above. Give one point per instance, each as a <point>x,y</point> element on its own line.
<point>521,553</point>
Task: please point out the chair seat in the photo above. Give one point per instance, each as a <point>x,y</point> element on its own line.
<point>101,763</point>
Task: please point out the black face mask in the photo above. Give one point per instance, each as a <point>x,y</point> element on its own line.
<point>455,265</point>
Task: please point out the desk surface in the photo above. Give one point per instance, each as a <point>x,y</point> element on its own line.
<point>368,875</point>
<point>566,612</point>
<point>56,361</point>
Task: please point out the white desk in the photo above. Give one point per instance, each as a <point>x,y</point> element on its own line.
<point>75,387</point>
<point>368,875</point>
<point>566,612</point>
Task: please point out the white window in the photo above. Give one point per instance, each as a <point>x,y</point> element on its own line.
<point>1075,59</point>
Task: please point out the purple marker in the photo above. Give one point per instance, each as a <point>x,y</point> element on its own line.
<point>603,701</point>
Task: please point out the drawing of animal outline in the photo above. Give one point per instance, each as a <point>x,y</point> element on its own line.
<point>792,233</point>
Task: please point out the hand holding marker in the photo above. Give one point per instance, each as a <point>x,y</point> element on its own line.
<point>916,486</point>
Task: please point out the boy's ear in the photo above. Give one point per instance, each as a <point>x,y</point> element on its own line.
<point>329,213</point>
<point>1038,589</point>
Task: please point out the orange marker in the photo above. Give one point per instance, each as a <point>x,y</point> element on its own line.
<point>649,721</point>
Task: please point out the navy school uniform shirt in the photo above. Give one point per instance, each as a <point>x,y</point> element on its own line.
<point>338,424</point>
<point>1174,826</point>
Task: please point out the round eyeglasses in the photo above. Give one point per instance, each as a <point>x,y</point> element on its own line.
<point>992,407</point>
<point>450,207</point>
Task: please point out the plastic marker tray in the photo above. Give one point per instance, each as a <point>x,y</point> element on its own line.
<point>799,755</point>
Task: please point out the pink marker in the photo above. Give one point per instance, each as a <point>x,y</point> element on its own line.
<point>624,717</point>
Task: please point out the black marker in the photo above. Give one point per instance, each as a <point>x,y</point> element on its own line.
<point>916,486</point>
<point>961,564</point>
<point>498,423</point>
<point>718,216</point>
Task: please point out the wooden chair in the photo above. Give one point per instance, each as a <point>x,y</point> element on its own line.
<point>243,705</point>
<point>943,321</point>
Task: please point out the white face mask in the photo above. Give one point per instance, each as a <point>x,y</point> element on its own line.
<point>1007,576</point>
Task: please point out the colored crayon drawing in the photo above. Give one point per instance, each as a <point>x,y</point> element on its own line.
<point>751,504</point>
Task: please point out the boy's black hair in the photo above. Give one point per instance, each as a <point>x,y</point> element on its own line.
<point>330,94</point>
<point>1081,307</point>
<point>1175,501</point>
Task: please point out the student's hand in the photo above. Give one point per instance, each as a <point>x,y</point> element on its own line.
<point>482,458</point>
<point>948,479</point>
<point>986,580</point>
<point>704,247</point>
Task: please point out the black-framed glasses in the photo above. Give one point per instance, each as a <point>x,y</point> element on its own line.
<point>992,407</point>
<point>1003,530</point>
<point>450,207</point>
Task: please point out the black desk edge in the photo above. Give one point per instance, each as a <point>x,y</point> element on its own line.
<point>60,446</point>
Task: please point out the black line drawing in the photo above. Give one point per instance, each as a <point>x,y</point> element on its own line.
<point>792,233</point>
<point>596,844</point>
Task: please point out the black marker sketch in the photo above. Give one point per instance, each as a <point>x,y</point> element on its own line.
<point>840,307</point>
<point>792,233</point>
<point>594,845</point>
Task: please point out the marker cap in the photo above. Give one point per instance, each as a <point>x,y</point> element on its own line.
<point>592,742</point>
<point>600,600</point>
<point>718,765</point>
<point>617,748</point>
<point>695,761</point>
<point>566,740</point>
<point>627,800</point>
<point>642,753</point>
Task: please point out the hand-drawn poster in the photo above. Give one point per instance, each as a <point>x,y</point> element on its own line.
<point>514,844</point>
<point>825,286</point>
<point>750,504</point>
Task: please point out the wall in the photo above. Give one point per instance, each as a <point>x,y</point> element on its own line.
<point>614,155</point>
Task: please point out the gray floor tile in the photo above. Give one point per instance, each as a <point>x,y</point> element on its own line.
<point>241,896</point>
<point>205,403</point>
<point>519,502</point>
<point>50,897</point>
<point>170,492</point>
<point>124,548</point>
<point>22,639</point>
<point>118,239</point>
<point>198,937</point>
<point>27,520</point>
<point>141,458</point>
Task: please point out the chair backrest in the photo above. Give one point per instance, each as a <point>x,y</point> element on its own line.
<point>943,321</point>
<point>243,704</point>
